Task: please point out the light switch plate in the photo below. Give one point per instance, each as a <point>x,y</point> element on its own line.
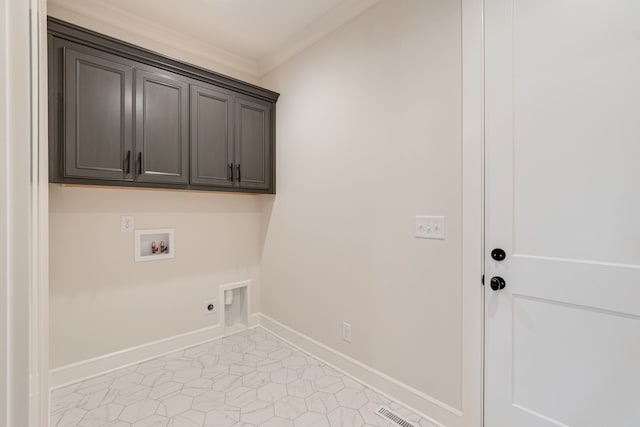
<point>430,227</point>
<point>126,224</point>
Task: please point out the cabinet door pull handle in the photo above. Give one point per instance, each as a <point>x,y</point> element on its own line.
<point>128,162</point>
<point>140,163</point>
<point>230,173</point>
<point>239,175</point>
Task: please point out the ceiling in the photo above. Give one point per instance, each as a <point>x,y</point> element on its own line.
<point>252,36</point>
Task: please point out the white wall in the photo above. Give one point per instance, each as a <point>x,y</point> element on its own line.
<point>369,135</point>
<point>102,301</point>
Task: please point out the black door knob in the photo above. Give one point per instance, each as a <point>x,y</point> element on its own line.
<point>498,254</point>
<point>497,283</point>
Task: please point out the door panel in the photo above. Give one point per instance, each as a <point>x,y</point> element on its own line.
<point>211,136</point>
<point>550,342</point>
<point>253,143</point>
<point>562,131</point>
<point>575,88</point>
<point>98,94</point>
<point>162,128</point>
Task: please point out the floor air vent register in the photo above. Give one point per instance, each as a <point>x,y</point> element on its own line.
<point>389,415</point>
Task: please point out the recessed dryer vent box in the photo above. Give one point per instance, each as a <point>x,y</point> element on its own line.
<point>235,303</point>
<point>154,245</point>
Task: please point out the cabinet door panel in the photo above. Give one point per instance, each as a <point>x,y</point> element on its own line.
<point>253,143</point>
<point>98,120</point>
<point>162,133</point>
<point>211,136</point>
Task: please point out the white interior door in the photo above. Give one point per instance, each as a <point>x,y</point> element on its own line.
<point>562,82</point>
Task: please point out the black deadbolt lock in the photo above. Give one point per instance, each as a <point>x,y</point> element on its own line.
<point>498,254</point>
<point>497,283</point>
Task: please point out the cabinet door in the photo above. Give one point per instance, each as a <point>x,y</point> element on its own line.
<point>211,136</point>
<point>253,142</point>
<point>162,128</point>
<point>97,113</point>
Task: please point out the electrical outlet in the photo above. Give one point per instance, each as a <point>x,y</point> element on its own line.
<point>346,332</point>
<point>126,224</point>
<point>210,307</point>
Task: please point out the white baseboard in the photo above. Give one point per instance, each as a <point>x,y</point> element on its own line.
<point>89,368</point>
<point>254,319</point>
<point>418,402</point>
<point>84,369</point>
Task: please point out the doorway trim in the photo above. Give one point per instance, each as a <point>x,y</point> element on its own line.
<point>24,399</point>
<point>472,212</point>
<point>40,237</point>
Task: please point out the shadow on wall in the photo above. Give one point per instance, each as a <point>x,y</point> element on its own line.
<point>268,202</point>
<point>89,199</point>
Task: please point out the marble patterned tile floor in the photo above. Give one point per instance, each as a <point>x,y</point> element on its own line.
<point>248,379</point>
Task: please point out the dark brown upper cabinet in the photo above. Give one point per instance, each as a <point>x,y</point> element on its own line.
<point>212,157</point>
<point>230,140</point>
<point>253,143</point>
<point>97,121</point>
<point>122,115</point>
<point>162,127</point>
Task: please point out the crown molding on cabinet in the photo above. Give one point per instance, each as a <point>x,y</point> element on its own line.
<point>105,18</point>
<point>117,23</point>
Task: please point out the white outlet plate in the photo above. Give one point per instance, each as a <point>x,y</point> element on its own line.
<point>346,331</point>
<point>205,307</point>
<point>430,227</point>
<point>126,224</point>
